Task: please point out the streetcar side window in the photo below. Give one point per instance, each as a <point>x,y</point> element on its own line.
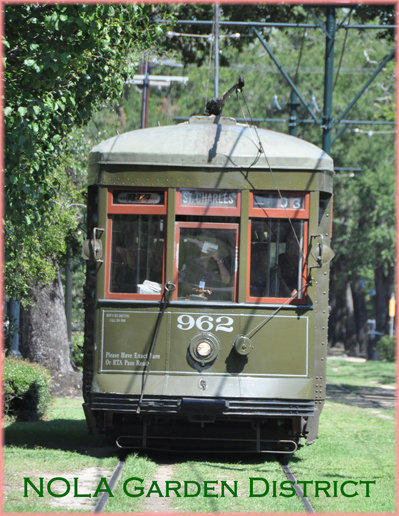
<point>277,264</point>
<point>135,243</point>
<point>137,254</point>
<point>276,258</point>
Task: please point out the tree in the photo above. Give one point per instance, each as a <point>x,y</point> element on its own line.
<point>61,62</point>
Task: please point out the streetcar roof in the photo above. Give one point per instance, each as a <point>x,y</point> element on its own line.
<point>205,142</point>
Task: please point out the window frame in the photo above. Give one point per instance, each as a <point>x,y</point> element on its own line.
<point>281,214</point>
<point>132,209</point>
<point>206,225</point>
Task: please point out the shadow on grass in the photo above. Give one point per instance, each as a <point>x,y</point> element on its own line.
<point>230,461</point>
<point>57,434</point>
<point>362,396</point>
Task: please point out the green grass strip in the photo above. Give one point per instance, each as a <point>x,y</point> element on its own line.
<point>355,445</point>
<point>251,480</point>
<point>356,373</point>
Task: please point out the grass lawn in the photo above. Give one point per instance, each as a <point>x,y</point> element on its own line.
<point>355,444</point>
<point>368,374</point>
<point>241,472</point>
<point>136,466</point>
<point>57,447</point>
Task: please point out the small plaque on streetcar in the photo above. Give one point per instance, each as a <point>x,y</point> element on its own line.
<point>131,197</point>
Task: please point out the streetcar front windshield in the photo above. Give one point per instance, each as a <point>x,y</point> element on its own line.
<point>207,262</point>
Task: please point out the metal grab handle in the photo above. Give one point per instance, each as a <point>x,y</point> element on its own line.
<point>170,286</point>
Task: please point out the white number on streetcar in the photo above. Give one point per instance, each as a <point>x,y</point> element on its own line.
<point>205,323</point>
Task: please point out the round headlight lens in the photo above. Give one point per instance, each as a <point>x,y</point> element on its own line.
<point>204,349</point>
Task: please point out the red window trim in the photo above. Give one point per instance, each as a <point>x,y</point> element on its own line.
<point>127,295</point>
<point>280,213</point>
<point>141,209</point>
<point>279,300</point>
<point>205,225</point>
<point>208,210</point>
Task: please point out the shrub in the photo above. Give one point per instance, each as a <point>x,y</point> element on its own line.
<point>26,389</point>
<point>386,348</point>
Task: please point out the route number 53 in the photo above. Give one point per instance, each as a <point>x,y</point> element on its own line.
<point>205,323</point>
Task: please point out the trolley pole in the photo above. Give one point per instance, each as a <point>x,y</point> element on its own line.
<point>217,16</point>
<point>328,78</point>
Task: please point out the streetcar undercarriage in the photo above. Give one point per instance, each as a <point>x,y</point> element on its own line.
<point>195,424</point>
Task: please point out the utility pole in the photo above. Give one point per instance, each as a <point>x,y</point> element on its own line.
<point>328,78</point>
<point>217,16</point>
<point>145,80</point>
<point>146,94</point>
<point>292,122</point>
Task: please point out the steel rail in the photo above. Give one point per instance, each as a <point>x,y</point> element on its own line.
<point>304,500</point>
<point>102,501</point>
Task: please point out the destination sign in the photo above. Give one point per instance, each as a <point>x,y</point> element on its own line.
<point>275,201</point>
<point>209,199</point>
<point>129,197</point>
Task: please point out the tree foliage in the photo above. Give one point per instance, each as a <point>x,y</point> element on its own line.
<point>61,62</point>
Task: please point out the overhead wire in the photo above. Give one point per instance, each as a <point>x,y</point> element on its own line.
<point>304,34</point>
<point>342,52</point>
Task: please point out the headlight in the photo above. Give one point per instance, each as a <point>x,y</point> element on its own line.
<point>204,349</point>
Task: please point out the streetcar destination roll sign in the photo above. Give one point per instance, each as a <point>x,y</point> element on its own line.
<point>208,199</point>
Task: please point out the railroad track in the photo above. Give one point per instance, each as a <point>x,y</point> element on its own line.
<point>103,499</point>
<point>291,477</point>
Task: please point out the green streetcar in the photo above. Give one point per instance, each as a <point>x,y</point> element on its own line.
<point>207,288</point>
